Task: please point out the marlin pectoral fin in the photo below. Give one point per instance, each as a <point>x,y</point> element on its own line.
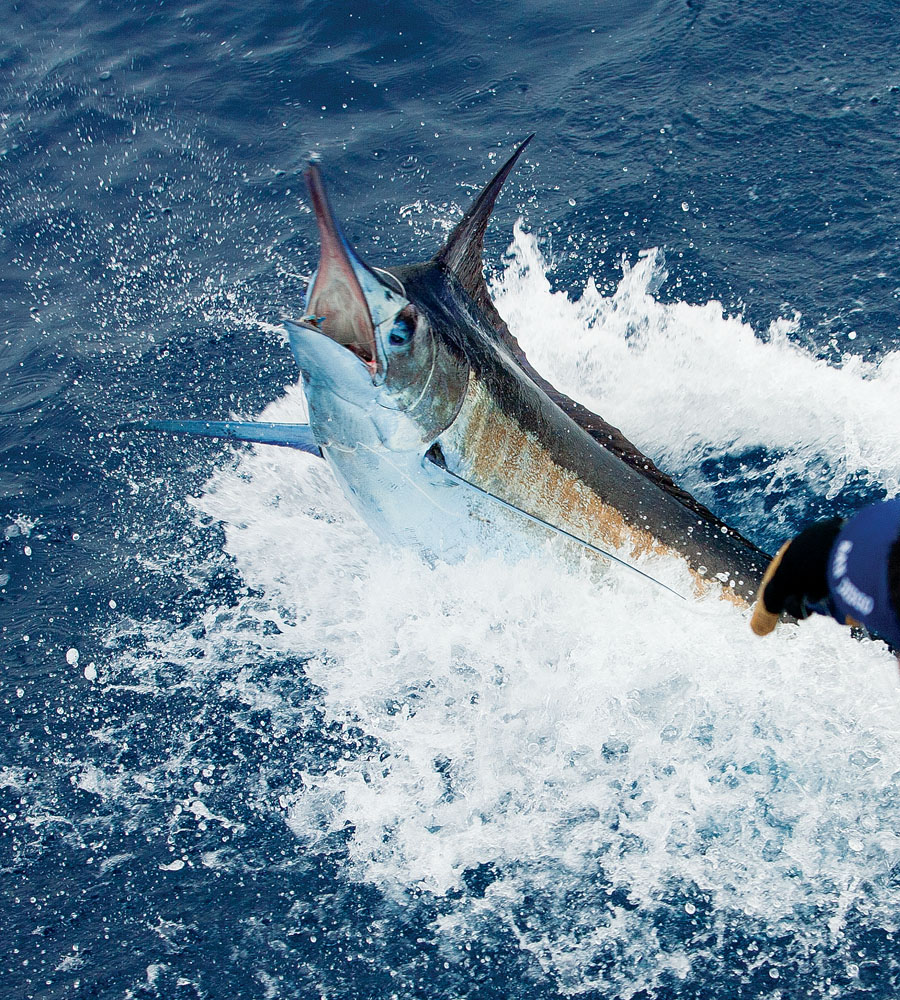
<point>298,436</point>
<point>435,457</point>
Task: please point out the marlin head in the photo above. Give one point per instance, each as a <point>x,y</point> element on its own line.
<point>396,349</point>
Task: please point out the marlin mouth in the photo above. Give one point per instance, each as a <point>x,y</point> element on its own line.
<point>344,289</point>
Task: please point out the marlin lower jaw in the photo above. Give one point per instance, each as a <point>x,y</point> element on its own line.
<point>329,363</point>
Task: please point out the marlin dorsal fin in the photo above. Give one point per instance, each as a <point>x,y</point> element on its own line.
<point>461,254</point>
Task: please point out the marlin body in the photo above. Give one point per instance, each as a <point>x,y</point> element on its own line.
<point>445,438</point>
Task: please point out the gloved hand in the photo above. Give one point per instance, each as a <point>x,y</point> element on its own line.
<point>797,577</point>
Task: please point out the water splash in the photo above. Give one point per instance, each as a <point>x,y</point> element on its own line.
<point>619,784</point>
<point>686,382</point>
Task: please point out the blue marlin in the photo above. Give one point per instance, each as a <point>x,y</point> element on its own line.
<point>445,438</point>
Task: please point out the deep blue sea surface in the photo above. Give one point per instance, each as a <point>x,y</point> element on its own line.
<point>247,751</point>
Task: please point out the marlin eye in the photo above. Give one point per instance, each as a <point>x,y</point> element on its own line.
<point>400,334</point>
<point>403,329</point>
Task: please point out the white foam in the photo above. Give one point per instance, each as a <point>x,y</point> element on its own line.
<point>604,751</point>
<point>685,381</point>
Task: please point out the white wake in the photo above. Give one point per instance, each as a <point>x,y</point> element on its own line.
<point>597,751</point>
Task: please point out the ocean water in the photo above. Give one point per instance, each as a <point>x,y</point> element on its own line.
<point>248,751</point>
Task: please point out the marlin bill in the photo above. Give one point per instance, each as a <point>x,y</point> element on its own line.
<point>444,437</point>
